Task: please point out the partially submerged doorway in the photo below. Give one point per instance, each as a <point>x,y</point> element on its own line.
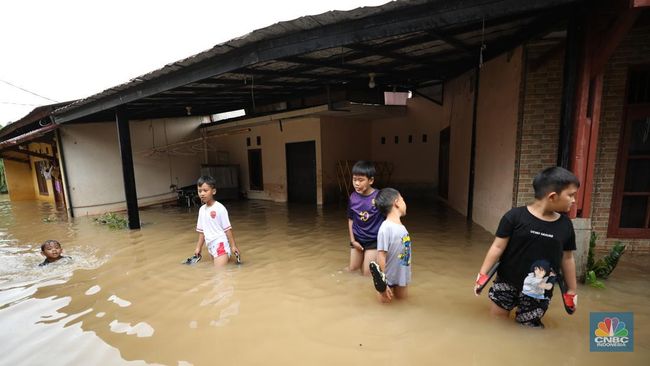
<point>301,171</point>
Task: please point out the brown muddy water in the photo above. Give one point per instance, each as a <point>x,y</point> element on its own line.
<point>127,300</point>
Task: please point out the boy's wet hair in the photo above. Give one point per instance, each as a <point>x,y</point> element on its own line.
<point>385,200</point>
<point>363,167</point>
<point>554,179</point>
<point>206,179</point>
<point>541,263</point>
<point>49,241</point>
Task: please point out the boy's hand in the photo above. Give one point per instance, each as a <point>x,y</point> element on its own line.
<point>570,301</point>
<point>481,280</point>
<point>356,245</point>
<point>387,296</point>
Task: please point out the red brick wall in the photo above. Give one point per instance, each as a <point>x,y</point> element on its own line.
<point>538,135</point>
<point>634,50</point>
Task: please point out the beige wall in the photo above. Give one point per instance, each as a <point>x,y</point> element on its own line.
<point>496,138</point>
<point>94,172</point>
<point>342,139</point>
<point>273,154</point>
<point>19,180</point>
<point>457,113</point>
<point>415,164</point>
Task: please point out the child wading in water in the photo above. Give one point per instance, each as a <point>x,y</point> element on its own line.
<point>52,251</point>
<point>391,273</point>
<point>213,225</point>
<point>363,218</point>
<point>532,243</point>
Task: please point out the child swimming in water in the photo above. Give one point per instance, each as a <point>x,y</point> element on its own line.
<point>52,251</point>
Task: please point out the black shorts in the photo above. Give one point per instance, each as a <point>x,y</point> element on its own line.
<point>366,245</point>
<point>529,309</point>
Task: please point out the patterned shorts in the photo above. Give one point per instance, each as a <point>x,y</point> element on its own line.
<point>529,309</point>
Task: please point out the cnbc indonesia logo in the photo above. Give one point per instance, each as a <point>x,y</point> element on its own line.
<point>612,333</point>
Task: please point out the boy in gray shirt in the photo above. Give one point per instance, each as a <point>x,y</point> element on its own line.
<point>391,273</point>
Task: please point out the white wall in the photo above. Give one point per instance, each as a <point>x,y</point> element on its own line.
<point>416,163</point>
<point>94,165</point>
<point>496,138</point>
<point>273,155</point>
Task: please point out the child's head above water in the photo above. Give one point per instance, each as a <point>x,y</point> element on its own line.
<point>363,176</point>
<point>558,186</point>
<point>51,250</point>
<point>389,199</point>
<point>207,188</point>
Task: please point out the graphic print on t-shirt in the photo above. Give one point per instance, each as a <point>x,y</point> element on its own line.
<point>213,214</point>
<point>539,280</point>
<point>405,255</point>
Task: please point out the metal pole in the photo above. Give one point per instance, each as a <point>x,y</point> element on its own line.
<point>124,138</point>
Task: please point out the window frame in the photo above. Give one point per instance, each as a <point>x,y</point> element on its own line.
<point>631,113</point>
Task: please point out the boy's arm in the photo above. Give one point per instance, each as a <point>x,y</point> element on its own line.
<point>492,256</point>
<point>381,259</point>
<point>494,253</point>
<point>569,271</point>
<point>352,240</point>
<point>231,241</point>
<point>199,244</point>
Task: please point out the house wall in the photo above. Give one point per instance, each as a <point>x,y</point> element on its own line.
<point>20,183</point>
<point>540,126</point>
<point>633,50</point>
<point>413,177</point>
<point>539,132</point>
<point>342,139</point>
<point>94,173</point>
<point>274,162</point>
<point>496,138</point>
<point>457,114</point>
<point>41,148</point>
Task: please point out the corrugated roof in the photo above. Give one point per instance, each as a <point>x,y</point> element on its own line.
<point>297,57</point>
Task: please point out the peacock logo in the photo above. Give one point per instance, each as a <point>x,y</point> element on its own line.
<point>612,332</point>
<point>611,327</point>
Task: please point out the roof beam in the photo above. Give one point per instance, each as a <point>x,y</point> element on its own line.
<point>433,15</point>
<point>452,42</point>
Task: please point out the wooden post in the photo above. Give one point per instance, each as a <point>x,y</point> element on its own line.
<point>124,137</point>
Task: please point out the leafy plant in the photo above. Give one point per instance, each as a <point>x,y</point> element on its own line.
<point>113,220</point>
<point>591,280</point>
<point>602,268</point>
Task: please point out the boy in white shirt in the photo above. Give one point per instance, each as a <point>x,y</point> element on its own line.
<point>213,224</point>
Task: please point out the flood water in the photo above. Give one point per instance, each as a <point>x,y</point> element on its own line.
<point>127,300</point>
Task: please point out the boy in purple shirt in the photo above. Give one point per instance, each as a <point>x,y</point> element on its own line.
<point>364,218</point>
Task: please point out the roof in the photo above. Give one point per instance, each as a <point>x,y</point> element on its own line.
<point>38,117</point>
<point>405,44</point>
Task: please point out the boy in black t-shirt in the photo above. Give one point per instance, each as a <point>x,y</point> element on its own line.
<point>529,239</point>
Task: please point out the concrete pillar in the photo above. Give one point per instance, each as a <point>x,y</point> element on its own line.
<point>582,227</point>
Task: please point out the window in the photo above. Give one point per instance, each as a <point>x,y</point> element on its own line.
<point>255,170</point>
<point>40,166</point>
<point>259,140</point>
<point>424,138</point>
<point>630,213</point>
<point>396,140</point>
<point>383,140</point>
<point>248,141</point>
<point>410,139</point>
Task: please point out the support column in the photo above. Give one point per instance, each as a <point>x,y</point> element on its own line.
<point>124,137</point>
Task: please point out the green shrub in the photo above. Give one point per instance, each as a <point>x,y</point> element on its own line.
<point>601,269</point>
<point>113,220</point>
